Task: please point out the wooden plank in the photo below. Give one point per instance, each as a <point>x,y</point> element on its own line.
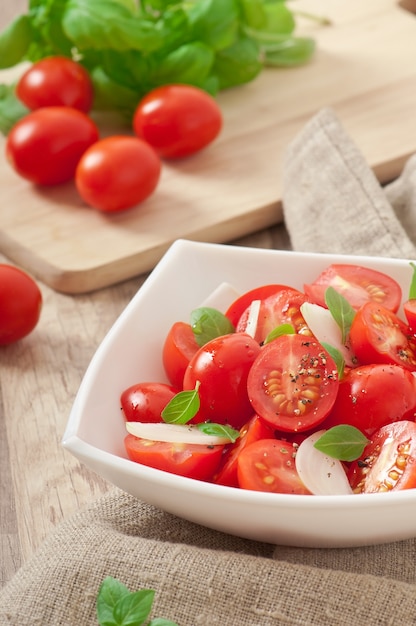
<point>363,68</point>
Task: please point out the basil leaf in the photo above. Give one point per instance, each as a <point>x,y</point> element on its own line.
<point>182,408</point>
<point>338,358</point>
<point>209,428</point>
<point>11,109</point>
<point>412,290</point>
<point>208,323</point>
<point>14,41</point>
<point>110,592</point>
<point>238,64</point>
<point>283,329</point>
<point>184,64</point>
<point>341,310</point>
<point>291,52</point>
<point>343,442</point>
<point>215,22</point>
<point>134,608</point>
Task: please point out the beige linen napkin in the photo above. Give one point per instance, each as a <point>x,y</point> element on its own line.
<point>332,203</point>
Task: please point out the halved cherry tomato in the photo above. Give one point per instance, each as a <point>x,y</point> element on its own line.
<point>178,349</point>
<point>56,81</point>
<point>177,120</point>
<point>282,306</point>
<point>254,430</point>
<point>388,462</point>
<point>357,284</point>
<point>20,304</point>
<point>409,309</point>
<point>237,308</point>
<point>46,145</point>
<point>372,396</point>
<point>192,460</point>
<point>293,383</point>
<point>221,368</point>
<point>269,465</point>
<point>377,335</point>
<point>144,402</point>
<point>117,173</point>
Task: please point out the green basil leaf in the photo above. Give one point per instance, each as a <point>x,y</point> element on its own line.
<point>159,621</point>
<point>283,329</point>
<point>215,22</point>
<point>189,63</point>
<point>103,24</point>
<point>338,358</point>
<point>110,592</point>
<point>343,442</point>
<point>238,64</point>
<point>11,109</point>
<point>208,323</point>
<point>290,53</point>
<point>134,608</point>
<point>341,310</point>
<point>412,289</point>
<point>14,41</point>
<point>182,408</point>
<point>254,13</point>
<point>209,428</point>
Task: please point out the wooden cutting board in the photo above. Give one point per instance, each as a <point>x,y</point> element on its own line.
<point>364,68</point>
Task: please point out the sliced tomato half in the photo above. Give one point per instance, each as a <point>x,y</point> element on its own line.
<point>254,430</point>
<point>278,304</point>
<point>269,465</point>
<point>293,383</point>
<point>377,335</point>
<point>388,462</point>
<point>190,460</point>
<point>357,284</point>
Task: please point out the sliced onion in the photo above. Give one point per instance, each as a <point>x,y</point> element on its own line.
<point>174,433</point>
<point>253,318</point>
<point>325,329</point>
<point>321,474</point>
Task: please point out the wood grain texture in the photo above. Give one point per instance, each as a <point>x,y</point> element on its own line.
<point>364,68</point>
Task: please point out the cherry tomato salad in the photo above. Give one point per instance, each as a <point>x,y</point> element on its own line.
<point>288,391</point>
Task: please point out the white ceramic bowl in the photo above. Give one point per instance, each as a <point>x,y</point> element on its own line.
<point>131,352</point>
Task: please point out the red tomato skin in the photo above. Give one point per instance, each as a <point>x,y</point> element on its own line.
<point>189,460</point>
<point>178,349</point>
<point>377,335</point>
<point>253,430</point>
<point>56,81</point>
<point>409,309</point>
<point>20,304</point>
<point>293,383</point>
<point>388,462</point>
<point>241,304</point>
<point>372,396</point>
<point>357,284</point>
<point>221,367</point>
<point>269,465</point>
<point>177,120</point>
<point>45,146</point>
<point>144,402</point>
<point>117,173</point>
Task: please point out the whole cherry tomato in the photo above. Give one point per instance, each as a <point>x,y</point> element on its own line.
<point>56,81</point>
<point>45,146</point>
<point>221,368</point>
<point>177,120</point>
<point>144,402</point>
<point>117,173</point>
<point>20,304</point>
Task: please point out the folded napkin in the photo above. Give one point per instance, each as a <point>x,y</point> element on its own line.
<point>332,203</point>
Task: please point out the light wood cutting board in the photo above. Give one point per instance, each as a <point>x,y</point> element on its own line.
<point>364,68</point>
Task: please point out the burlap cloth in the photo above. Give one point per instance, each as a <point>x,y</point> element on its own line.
<point>332,203</point>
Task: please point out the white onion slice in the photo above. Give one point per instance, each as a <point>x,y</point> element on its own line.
<point>321,474</point>
<point>253,318</point>
<point>174,433</point>
<point>325,329</point>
